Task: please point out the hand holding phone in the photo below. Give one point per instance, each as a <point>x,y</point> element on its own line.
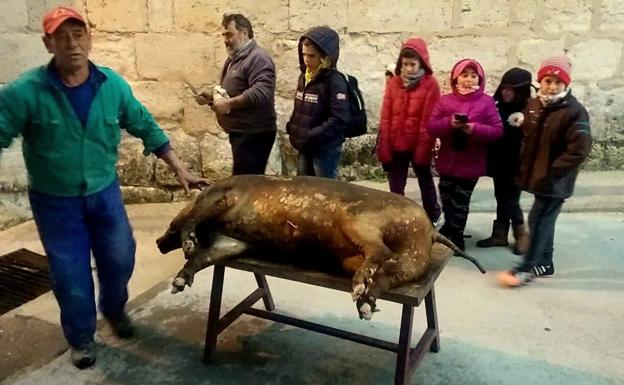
<point>461,118</point>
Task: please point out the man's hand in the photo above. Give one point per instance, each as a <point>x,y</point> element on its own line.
<point>186,179</point>
<point>222,106</point>
<point>203,97</point>
<point>189,181</point>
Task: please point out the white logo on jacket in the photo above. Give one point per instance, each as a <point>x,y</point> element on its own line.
<point>341,96</point>
<point>311,98</point>
<point>299,95</point>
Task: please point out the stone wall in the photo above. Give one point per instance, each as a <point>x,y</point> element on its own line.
<point>157,43</point>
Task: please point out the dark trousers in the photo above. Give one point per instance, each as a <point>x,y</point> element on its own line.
<point>455,194</point>
<point>71,228</point>
<point>542,218</point>
<point>507,201</point>
<point>397,179</point>
<point>251,151</point>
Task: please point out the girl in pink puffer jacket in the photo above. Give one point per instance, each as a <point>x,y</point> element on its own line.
<point>465,120</point>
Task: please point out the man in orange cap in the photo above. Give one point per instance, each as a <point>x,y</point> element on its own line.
<point>70,113</point>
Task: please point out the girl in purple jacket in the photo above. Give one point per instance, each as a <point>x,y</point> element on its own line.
<point>465,120</point>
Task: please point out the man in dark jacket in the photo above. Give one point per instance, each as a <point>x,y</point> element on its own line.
<point>321,112</point>
<point>247,111</point>
<point>557,140</point>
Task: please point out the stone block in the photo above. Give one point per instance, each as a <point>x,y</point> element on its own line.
<point>216,157</point>
<point>206,15</point>
<point>523,12</point>
<point>488,14</point>
<point>531,53</point>
<point>116,52</point>
<point>134,168</point>
<point>37,8</point>
<point>14,16</point>
<point>303,13</point>
<point>20,52</point>
<point>286,57</point>
<point>595,59</point>
<point>199,120</point>
<point>567,15</point>
<point>117,15</point>
<point>162,99</point>
<point>160,15</point>
<point>606,111</point>
<point>175,57</point>
<point>138,195</point>
<point>371,16</point>
<point>491,52</point>
<point>612,15</point>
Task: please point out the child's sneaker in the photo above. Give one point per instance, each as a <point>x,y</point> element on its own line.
<point>83,356</point>
<point>544,271</point>
<point>515,277</point>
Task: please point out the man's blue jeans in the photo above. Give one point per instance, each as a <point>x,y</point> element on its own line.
<point>322,164</point>
<point>71,228</point>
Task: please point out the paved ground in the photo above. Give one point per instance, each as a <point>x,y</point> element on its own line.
<point>565,330</point>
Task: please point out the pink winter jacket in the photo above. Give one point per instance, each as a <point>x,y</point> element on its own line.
<point>481,110</point>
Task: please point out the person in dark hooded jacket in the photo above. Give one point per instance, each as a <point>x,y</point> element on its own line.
<point>321,111</point>
<point>511,96</point>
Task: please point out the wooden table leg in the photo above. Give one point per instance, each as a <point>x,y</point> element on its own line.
<point>405,340</point>
<point>214,312</point>
<point>432,319</point>
<point>267,298</point>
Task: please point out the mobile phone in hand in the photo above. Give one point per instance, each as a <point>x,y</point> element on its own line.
<point>461,118</point>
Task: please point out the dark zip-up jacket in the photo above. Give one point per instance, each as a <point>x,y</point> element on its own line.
<point>250,73</point>
<point>557,140</point>
<point>321,108</point>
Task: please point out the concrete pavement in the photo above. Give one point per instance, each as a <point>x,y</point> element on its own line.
<point>565,330</point>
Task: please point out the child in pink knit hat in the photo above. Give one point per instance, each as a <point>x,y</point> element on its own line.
<point>465,120</point>
<point>557,140</point>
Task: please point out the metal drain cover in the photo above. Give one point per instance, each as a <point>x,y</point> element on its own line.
<point>24,276</point>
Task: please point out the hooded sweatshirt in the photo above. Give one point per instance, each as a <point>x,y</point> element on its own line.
<point>321,107</point>
<point>405,112</point>
<point>469,162</point>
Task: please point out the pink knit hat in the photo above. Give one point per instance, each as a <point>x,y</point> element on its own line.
<point>558,66</point>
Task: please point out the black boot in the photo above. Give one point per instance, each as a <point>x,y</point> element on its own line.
<point>454,235</point>
<point>498,237</point>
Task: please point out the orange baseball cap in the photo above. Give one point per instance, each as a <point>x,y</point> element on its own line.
<point>56,16</point>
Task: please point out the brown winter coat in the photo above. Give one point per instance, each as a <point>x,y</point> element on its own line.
<point>557,140</point>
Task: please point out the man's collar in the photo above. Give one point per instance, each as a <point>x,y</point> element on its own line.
<point>243,50</point>
<point>95,75</point>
